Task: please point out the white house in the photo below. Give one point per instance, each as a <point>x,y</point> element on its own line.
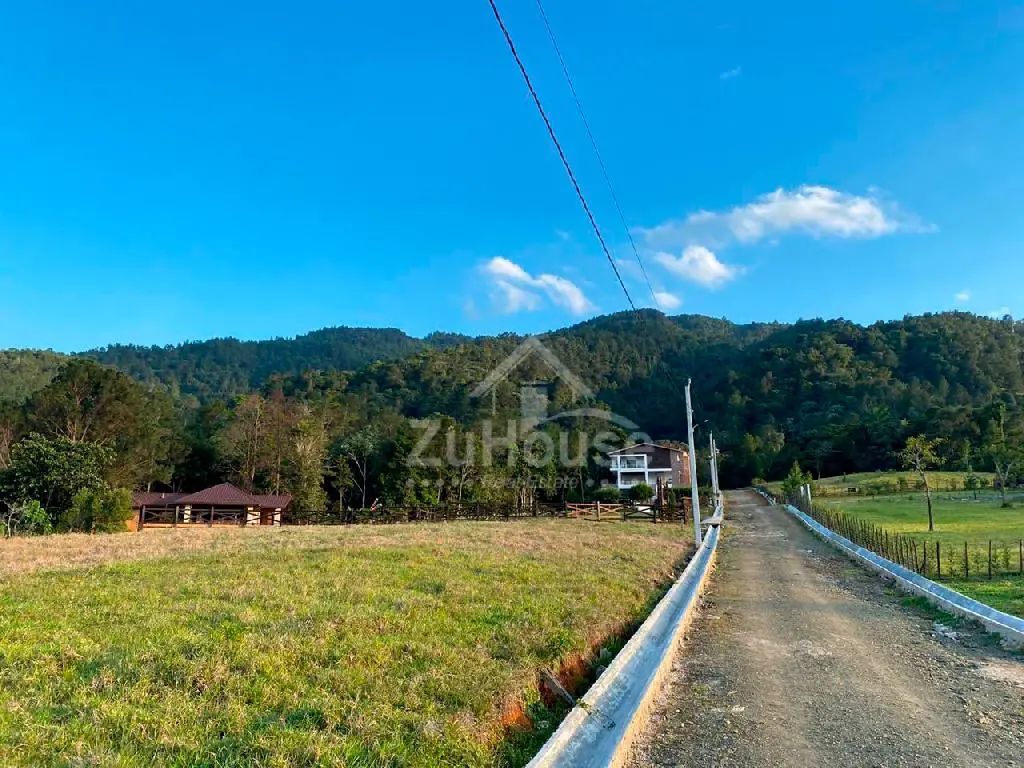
<point>646,462</point>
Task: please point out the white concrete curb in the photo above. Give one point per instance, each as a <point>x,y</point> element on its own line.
<point>600,729</point>
<point>1011,628</point>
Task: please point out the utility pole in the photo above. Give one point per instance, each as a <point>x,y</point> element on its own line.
<point>694,492</point>
<point>714,468</point>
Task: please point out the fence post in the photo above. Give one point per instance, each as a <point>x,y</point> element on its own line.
<point>967,567</point>
<point>938,561</point>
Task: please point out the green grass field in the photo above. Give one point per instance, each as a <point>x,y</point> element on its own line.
<point>958,519</point>
<point>892,482</point>
<point>382,646</point>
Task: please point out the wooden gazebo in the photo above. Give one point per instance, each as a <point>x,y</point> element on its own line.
<point>223,504</point>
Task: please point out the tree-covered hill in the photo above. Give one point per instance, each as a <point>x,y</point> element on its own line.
<point>224,367</point>
<point>834,395</point>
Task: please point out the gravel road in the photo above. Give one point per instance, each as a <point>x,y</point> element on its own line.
<point>800,658</point>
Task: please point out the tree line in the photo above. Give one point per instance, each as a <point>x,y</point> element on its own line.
<point>340,428</point>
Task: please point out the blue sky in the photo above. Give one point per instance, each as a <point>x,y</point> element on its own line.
<point>174,171</point>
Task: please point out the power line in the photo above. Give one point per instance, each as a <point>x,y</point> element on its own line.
<point>561,153</point>
<point>597,152</point>
<point>572,176</point>
<point>607,179</point>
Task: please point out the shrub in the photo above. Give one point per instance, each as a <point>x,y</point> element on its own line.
<point>641,492</point>
<point>794,480</point>
<point>607,493</point>
<point>28,519</point>
<point>99,511</point>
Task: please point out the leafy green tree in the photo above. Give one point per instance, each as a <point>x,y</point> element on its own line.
<point>100,510</point>
<point>919,455</point>
<point>88,403</point>
<point>1005,446</point>
<point>641,492</point>
<point>309,459</point>
<point>361,449</point>
<point>53,470</point>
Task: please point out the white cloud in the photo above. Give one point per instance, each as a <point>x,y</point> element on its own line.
<point>731,73</point>
<point>509,298</point>
<point>962,297</point>
<point>811,210</point>
<point>565,293</point>
<point>699,265</point>
<point>501,267</point>
<point>667,301</point>
<point>516,290</point>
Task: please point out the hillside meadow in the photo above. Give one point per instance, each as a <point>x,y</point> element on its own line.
<point>385,646</point>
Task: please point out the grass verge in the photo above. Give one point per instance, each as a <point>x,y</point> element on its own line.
<point>405,646</point>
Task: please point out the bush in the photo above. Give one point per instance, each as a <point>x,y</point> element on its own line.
<point>608,493</point>
<point>99,511</point>
<point>28,519</point>
<point>641,492</point>
<point>795,480</point>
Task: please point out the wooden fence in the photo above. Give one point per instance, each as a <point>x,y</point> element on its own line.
<point>607,511</point>
<point>595,511</point>
<point>422,514</point>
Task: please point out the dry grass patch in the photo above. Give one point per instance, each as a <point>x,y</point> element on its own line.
<point>389,646</point>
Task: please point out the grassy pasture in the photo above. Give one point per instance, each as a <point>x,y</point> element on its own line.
<point>893,482</point>
<point>958,519</point>
<point>384,646</point>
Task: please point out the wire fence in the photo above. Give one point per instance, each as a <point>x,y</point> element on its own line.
<point>939,560</point>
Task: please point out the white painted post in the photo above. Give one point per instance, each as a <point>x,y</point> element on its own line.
<point>694,493</point>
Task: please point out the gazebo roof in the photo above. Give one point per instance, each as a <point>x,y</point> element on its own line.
<point>223,495</point>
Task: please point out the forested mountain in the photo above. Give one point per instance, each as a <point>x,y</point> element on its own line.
<point>225,367</point>
<point>310,416</point>
<point>834,395</point>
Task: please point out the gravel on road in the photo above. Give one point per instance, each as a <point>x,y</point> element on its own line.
<point>801,658</point>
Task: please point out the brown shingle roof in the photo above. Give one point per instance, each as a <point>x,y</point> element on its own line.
<point>225,494</point>
<point>274,502</point>
<point>154,498</point>
<point>669,446</point>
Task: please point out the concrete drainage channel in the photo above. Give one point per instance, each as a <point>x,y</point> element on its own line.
<point>599,731</point>
<point>1010,628</point>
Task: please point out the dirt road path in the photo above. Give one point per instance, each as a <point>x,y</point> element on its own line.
<point>800,658</point>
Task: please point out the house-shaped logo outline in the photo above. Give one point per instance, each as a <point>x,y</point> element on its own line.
<point>532,345</point>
